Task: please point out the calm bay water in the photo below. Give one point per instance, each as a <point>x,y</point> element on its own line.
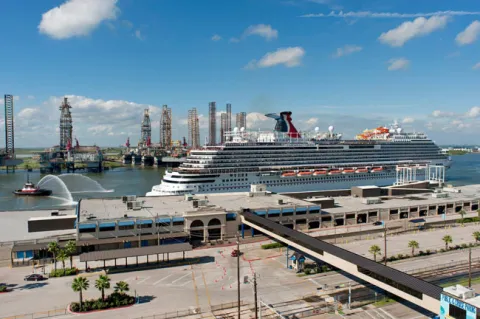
<point>138,181</point>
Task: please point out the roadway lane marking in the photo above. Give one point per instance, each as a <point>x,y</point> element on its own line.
<point>418,317</point>
<point>206,287</point>
<point>158,281</point>
<point>195,287</point>
<point>181,277</point>
<point>129,279</point>
<point>370,315</point>
<point>315,282</point>
<point>378,313</point>
<point>387,313</point>
<point>143,280</point>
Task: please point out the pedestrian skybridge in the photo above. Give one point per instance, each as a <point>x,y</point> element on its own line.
<point>407,287</point>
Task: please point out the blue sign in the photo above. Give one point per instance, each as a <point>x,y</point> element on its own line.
<point>446,301</point>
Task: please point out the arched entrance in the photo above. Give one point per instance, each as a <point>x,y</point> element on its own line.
<point>214,229</point>
<point>196,230</point>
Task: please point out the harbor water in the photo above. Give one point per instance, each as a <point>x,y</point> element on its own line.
<point>138,181</point>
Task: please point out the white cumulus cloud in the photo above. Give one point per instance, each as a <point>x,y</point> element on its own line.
<point>476,66</point>
<point>408,30</point>
<point>473,112</point>
<point>408,120</point>
<point>216,37</point>
<point>289,57</point>
<point>346,50</point>
<point>76,18</point>
<point>470,34</point>
<point>263,30</point>
<point>438,113</point>
<point>398,64</point>
<point>388,15</point>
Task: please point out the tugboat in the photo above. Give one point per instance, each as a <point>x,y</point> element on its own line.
<point>29,189</point>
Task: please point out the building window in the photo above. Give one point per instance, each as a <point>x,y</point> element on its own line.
<point>127,227</point>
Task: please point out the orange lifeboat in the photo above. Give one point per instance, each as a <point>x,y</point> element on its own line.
<point>289,174</point>
<point>348,171</point>
<point>361,170</point>
<point>320,172</point>
<point>377,169</point>
<point>305,173</point>
<point>334,172</point>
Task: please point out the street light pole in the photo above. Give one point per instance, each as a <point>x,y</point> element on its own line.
<point>255,294</point>
<point>385,242</point>
<point>238,275</point>
<point>469,267</point>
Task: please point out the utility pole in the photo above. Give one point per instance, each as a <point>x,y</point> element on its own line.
<point>255,294</point>
<point>349,294</point>
<point>238,275</point>
<point>385,242</point>
<point>469,267</point>
<point>158,231</point>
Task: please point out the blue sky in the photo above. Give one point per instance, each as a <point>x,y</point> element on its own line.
<point>353,64</point>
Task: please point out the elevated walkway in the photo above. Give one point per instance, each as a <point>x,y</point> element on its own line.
<point>407,287</point>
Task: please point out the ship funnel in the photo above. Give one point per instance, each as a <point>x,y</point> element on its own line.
<point>284,123</point>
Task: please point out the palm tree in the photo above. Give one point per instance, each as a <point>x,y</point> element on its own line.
<point>462,213</point>
<point>102,283</point>
<point>80,284</point>
<point>413,244</point>
<point>476,235</point>
<point>53,248</point>
<point>121,287</point>
<point>448,240</point>
<point>375,250</point>
<point>70,249</point>
<point>62,256</point>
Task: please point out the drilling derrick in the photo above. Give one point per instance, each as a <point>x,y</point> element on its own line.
<point>9,127</point>
<point>212,125</point>
<point>166,127</point>
<point>65,124</point>
<point>193,129</point>
<point>146,132</point>
<point>223,127</point>
<point>229,118</point>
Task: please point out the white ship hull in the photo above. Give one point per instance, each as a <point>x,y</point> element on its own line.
<point>240,182</point>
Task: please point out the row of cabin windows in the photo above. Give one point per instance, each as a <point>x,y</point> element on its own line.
<point>130,227</point>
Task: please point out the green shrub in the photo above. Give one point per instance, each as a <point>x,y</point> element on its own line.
<point>112,301</point>
<point>464,245</point>
<point>3,288</point>
<point>442,250</point>
<point>61,273</point>
<point>272,246</point>
<point>422,253</point>
<point>428,252</point>
<point>325,268</point>
<point>400,256</point>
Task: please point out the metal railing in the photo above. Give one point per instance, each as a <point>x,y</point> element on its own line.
<point>192,311</point>
<point>40,314</point>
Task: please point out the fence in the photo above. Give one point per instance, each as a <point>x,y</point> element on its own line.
<point>312,312</point>
<point>192,311</point>
<point>40,314</point>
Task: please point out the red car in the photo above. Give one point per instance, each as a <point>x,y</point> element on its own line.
<point>235,253</point>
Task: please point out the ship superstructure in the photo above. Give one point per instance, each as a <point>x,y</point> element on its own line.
<point>287,160</point>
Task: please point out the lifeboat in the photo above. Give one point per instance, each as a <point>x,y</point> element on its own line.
<point>348,171</point>
<point>361,170</point>
<point>377,169</point>
<point>320,172</point>
<point>305,173</point>
<point>289,174</point>
<point>334,172</point>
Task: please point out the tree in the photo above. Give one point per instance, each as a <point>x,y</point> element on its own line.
<point>121,287</point>
<point>476,235</point>
<point>102,283</point>
<point>62,256</point>
<point>375,250</point>
<point>462,213</point>
<point>80,284</point>
<point>70,250</point>
<point>448,240</point>
<point>414,245</point>
<point>54,248</point>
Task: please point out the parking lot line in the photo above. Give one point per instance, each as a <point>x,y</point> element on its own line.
<point>178,279</point>
<point>206,287</point>
<point>315,282</point>
<point>158,281</point>
<point>195,287</point>
<point>143,280</point>
<point>185,283</point>
<point>387,313</point>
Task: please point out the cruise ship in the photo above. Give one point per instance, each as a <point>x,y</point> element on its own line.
<point>286,160</point>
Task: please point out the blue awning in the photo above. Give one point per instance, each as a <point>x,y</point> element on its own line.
<point>144,222</point>
<point>87,226</point>
<point>273,211</point>
<point>417,221</point>
<point>231,215</point>
<point>126,223</point>
<point>301,209</point>
<point>178,219</point>
<point>104,225</point>
<point>288,210</point>
<point>314,208</point>
<point>260,212</point>
<point>163,220</point>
